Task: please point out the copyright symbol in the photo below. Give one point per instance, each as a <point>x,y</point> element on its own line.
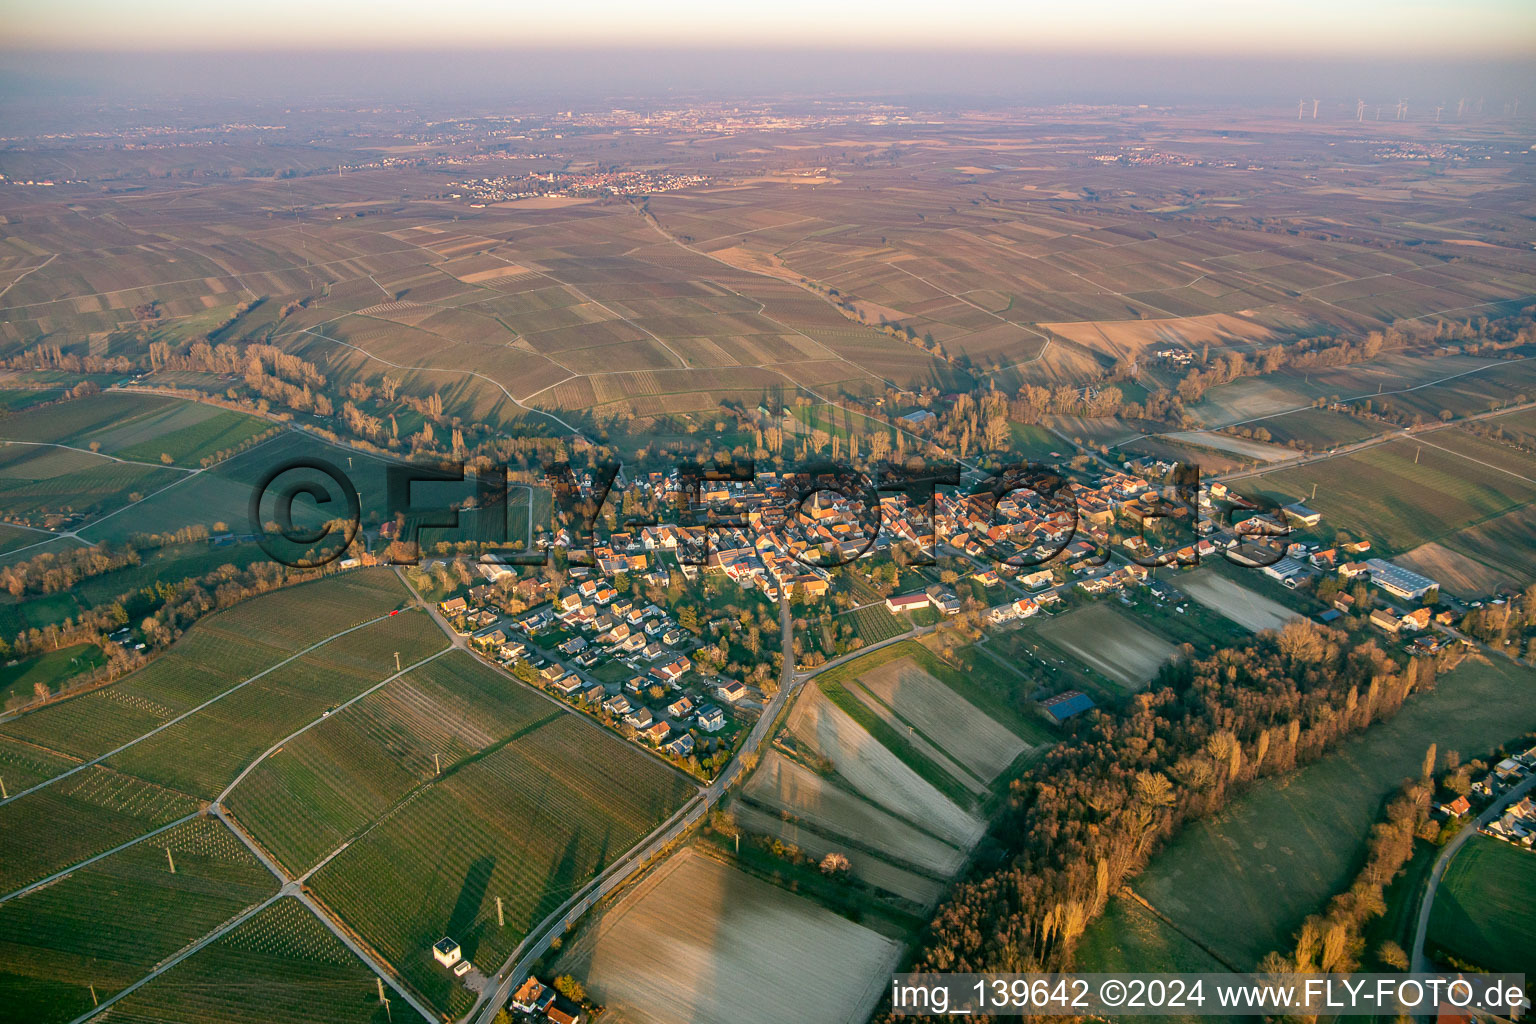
<point>336,513</point>
<point>1112,993</point>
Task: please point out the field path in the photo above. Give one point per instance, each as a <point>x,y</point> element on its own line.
<point>212,700</point>
<point>99,455</point>
<point>186,951</point>
<point>24,273</point>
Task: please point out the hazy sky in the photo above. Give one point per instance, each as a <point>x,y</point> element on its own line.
<point>1380,28</point>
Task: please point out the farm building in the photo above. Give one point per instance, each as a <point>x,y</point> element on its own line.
<point>446,952</point>
<point>1399,582</point>
<point>1288,571</point>
<point>1064,705</point>
<point>906,603</point>
<point>919,417</point>
<point>1303,515</point>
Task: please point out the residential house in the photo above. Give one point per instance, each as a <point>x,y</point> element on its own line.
<point>533,996</point>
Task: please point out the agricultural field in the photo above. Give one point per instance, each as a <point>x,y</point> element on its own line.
<point>307,798</point>
<point>107,925</point>
<point>84,814</point>
<point>280,964</point>
<point>1110,643</point>
<point>222,494</point>
<point>726,959</point>
<point>529,822</point>
<point>1461,575</point>
<point>981,745</point>
<point>1240,883</point>
<point>1485,907</point>
<point>871,768</point>
<point>1257,451</point>
<point>917,886</point>
<point>1403,492</point>
<point>52,670</point>
<point>138,427</point>
<point>1502,542</point>
<point>204,752</point>
<point>785,786</point>
<point>1233,600</point>
<point>81,811</point>
<point>172,562</point>
<point>42,485</point>
<point>1393,378</point>
<point>217,654</point>
<point>1318,429</point>
<point>14,537</point>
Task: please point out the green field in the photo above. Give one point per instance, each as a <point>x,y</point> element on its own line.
<point>215,655</point>
<point>324,786</point>
<point>167,564</point>
<point>530,822</point>
<point>1318,429</point>
<point>39,482</point>
<point>52,670</point>
<point>1036,444</point>
<point>14,400</point>
<point>100,807</point>
<point>87,813</point>
<point>203,753</point>
<point>1384,494</point>
<point>1240,883</point>
<point>13,537</point>
<point>280,965</point>
<point>222,494</point>
<point>1485,907</point>
<point>108,924</point>
<point>141,428</point>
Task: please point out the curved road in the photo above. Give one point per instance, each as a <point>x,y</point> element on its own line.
<point>1420,961</point>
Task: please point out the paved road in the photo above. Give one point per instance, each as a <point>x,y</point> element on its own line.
<point>516,967</point>
<point>1420,961</point>
<point>1371,442</point>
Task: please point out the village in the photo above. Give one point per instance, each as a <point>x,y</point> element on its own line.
<point>603,638</point>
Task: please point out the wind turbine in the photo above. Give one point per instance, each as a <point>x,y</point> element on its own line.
<point>1301,105</point>
<point>1437,112</point>
<point>1360,110</point>
<point>1314,109</point>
